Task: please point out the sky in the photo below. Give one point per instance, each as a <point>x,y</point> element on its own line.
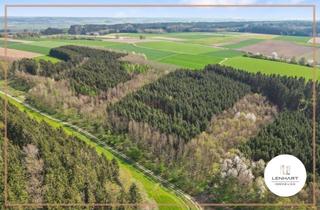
<point>212,13</point>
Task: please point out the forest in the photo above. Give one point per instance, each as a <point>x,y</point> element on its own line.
<point>89,71</point>
<point>291,131</point>
<point>168,121</point>
<point>46,165</point>
<point>181,103</point>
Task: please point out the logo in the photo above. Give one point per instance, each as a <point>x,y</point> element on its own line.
<point>285,175</point>
<point>285,169</point>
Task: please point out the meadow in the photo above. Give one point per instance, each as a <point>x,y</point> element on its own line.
<point>269,67</point>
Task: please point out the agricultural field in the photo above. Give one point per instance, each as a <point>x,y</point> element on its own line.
<point>243,43</point>
<point>281,49</point>
<point>270,67</point>
<point>297,39</point>
<point>188,50</point>
<point>13,54</point>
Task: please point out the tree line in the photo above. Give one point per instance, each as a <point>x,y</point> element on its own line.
<point>293,28</point>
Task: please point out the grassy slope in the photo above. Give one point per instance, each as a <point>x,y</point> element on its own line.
<point>160,194</point>
<point>269,67</point>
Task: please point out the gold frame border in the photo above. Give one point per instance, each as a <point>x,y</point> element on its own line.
<point>314,93</point>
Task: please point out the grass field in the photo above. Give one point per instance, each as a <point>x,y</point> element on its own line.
<point>152,54</point>
<point>160,194</point>
<point>29,47</point>
<point>269,67</point>
<point>177,47</point>
<point>47,58</point>
<point>223,53</point>
<point>243,43</point>
<point>191,61</point>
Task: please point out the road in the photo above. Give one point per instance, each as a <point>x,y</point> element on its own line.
<point>141,168</point>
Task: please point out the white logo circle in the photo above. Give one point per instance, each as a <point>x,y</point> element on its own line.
<point>285,175</point>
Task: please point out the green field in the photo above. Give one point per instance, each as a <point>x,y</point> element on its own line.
<point>27,47</point>
<point>243,43</point>
<point>192,50</point>
<point>157,192</point>
<point>177,47</point>
<point>47,58</point>
<point>191,61</point>
<point>269,67</point>
<point>152,54</point>
<point>223,53</point>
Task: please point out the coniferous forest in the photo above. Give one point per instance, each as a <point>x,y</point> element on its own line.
<point>210,132</point>
<point>46,165</point>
